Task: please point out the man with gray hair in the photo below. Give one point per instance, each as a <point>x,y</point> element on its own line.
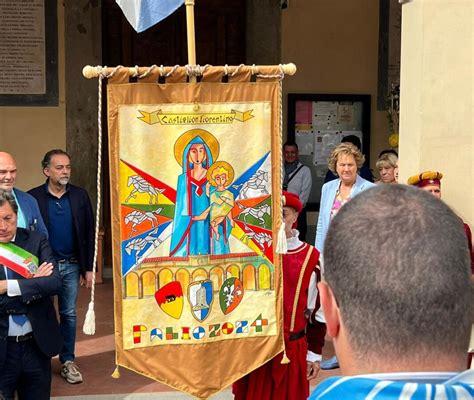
<point>397,298</point>
<point>29,216</point>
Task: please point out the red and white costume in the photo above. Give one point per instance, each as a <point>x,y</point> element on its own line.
<point>304,331</point>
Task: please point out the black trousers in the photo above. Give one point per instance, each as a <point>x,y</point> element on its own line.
<point>27,371</point>
<point>302,225</point>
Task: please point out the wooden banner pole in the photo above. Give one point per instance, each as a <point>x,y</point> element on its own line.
<point>90,71</point>
<point>190,35</point>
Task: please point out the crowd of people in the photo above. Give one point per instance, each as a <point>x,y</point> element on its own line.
<point>51,229</point>
<point>389,280</point>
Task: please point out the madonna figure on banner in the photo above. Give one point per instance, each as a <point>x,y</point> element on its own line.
<point>195,151</point>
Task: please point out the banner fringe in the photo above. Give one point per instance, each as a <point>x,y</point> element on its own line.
<point>116,373</point>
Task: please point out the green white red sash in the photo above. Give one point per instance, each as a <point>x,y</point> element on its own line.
<point>18,259</point>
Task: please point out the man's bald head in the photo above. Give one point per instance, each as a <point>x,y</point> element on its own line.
<point>7,171</point>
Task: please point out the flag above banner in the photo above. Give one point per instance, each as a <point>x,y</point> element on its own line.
<point>143,14</point>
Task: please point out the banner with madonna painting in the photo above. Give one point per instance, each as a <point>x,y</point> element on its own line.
<point>196,191</point>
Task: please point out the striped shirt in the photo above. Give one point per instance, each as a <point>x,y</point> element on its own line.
<point>400,386</point>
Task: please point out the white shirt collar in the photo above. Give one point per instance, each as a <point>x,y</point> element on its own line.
<point>293,242</point>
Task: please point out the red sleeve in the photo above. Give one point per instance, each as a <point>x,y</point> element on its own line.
<point>469,241</point>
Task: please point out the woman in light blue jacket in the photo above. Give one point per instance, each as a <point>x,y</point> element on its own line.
<point>344,161</point>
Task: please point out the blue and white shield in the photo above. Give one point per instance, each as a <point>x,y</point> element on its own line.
<point>200,298</point>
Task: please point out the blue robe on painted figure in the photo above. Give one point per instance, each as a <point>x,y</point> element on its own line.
<point>191,237</point>
<point>221,246</point>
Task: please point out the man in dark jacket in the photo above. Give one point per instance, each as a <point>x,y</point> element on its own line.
<point>67,213</point>
<point>29,331</point>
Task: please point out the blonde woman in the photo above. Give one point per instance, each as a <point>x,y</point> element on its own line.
<point>387,165</point>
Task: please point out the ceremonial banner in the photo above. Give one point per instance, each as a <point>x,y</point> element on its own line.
<point>195,184</point>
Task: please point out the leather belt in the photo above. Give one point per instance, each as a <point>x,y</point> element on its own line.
<point>72,260</point>
<point>297,335</point>
<point>21,338</point>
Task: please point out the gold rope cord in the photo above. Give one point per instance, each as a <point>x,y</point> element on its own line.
<point>298,287</point>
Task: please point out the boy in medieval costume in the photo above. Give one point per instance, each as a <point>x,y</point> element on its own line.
<point>287,375</point>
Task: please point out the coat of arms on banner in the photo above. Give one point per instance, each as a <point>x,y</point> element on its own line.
<point>200,299</point>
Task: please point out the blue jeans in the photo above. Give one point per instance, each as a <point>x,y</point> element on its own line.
<point>67,298</point>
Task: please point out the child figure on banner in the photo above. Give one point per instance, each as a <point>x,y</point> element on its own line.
<point>287,376</point>
<point>220,175</point>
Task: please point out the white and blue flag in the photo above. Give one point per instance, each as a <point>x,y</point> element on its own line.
<point>143,14</point>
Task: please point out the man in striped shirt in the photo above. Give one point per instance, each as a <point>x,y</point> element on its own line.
<point>397,298</point>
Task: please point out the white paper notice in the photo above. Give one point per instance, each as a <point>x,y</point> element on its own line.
<point>345,114</point>
<point>325,107</point>
<point>324,115</point>
<point>305,141</point>
<point>324,144</point>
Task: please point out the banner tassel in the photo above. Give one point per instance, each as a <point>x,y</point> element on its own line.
<point>89,323</point>
<point>282,245</point>
<point>116,373</point>
<point>285,359</point>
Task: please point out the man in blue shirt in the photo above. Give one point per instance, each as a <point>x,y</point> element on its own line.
<point>29,216</point>
<point>67,212</point>
<point>397,298</point>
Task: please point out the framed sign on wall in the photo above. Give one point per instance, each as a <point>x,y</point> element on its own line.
<point>28,53</point>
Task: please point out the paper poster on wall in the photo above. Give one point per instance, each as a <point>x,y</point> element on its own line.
<point>324,143</point>
<point>325,107</point>
<point>324,115</point>
<point>303,112</point>
<point>304,135</point>
<point>305,141</point>
<point>345,114</point>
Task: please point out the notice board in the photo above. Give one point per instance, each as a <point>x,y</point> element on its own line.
<point>318,122</point>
